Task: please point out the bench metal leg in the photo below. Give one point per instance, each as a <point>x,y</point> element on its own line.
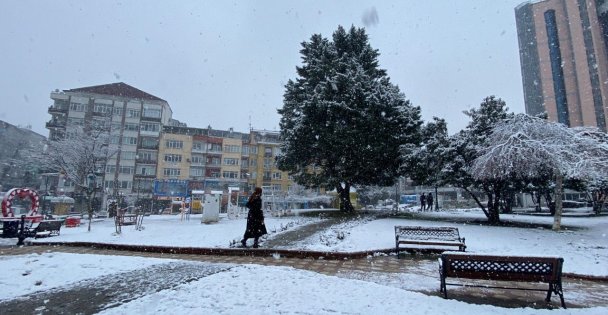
<point>557,289</point>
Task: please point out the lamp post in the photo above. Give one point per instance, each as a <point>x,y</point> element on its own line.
<point>91,189</point>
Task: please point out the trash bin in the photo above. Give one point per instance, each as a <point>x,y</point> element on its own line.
<point>10,228</point>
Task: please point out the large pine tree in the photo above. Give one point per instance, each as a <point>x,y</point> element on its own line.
<point>343,121</point>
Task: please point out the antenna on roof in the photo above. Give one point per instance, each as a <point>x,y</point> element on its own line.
<point>250,122</point>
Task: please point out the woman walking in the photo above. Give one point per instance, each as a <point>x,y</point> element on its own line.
<point>255,219</point>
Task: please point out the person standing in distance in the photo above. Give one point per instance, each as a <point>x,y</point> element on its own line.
<point>422,202</point>
<point>255,219</point>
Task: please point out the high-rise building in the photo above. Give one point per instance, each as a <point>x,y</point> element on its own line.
<point>135,119</point>
<point>564,60</point>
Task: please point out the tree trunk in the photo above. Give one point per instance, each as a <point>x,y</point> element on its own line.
<point>550,203</point>
<point>90,208</point>
<point>557,218</point>
<point>344,195</point>
<point>479,203</point>
<point>493,207</point>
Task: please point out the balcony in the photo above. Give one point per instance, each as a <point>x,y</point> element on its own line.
<point>145,161</point>
<point>58,109</point>
<point>145,118</point>
<point>55,124</point>
<point>147,146</point>
<point>145,176</point>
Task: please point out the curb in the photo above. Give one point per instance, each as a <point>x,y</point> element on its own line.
<point>258,252</point>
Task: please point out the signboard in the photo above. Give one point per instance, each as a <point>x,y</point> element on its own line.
<point>409,199</point>
<point>170,188</point>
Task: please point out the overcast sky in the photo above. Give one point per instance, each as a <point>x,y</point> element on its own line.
<point>225,63</point>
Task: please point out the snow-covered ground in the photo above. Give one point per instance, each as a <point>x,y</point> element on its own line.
<point>245,289</point>
<point>256,289</point>
<point>583,243</point>
<point>169,230</point>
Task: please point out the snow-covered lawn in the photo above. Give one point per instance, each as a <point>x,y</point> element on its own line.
<point>168,230</point>
<point>583,243</point>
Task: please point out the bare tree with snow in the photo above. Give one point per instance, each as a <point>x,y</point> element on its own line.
<point>526,147</point>
<point>81,156</point>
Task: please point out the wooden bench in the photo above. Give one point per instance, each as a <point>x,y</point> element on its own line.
<point>43,229</point>
<point>546,270</point>
<point>127,219</point>
<point>422,237</point>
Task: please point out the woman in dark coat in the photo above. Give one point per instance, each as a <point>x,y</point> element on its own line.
<point>255,219</point>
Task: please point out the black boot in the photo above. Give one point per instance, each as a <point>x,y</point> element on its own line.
<point>244,243</point>
<point>255,243</point>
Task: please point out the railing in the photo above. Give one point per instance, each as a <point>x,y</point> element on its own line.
<point>58,109</point>
<point>55,124</point>
<point>157,119</point>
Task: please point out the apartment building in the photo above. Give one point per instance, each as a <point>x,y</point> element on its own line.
<point>564,64</point>
<point>208,159</point>
<point>211,159</point>
<point>135,119</point>
<point>264,147</point>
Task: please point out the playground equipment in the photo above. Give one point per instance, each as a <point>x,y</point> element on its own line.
<point>233,208</point>
<point>211,208</point>
<point>21,193</point>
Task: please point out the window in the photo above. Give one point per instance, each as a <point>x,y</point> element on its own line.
<point>102,108</point>
<point>198,146</point>
<point>244,163</point>
<point>253,162</point>
<point>121,184</point>
<point>173,158</point>
<point>149,143</point>
<point>230,161</point>
<point>232,148</point>
<point>114,139</point>
<point>146,126</point>
<point>227,174</point>
<point>196,172</point>
<point>215,161</point>
<point>214,147</point>
<point>174,144</point>
<point>268,163</point>
<point>131,127</point>
<point>171,172</point>
<point>253,150</point>
<point>117,111</point>
<point>214,174</point>
<point>125,155</point>
<point>110,169</point>
<point>133,113</point>
<point>151,113</point>
<point>245,150</point>
<point>276,175</point>
<point>267,151</point>
<point>146,170</point>
<point>129,140</point>
<point>77,107</point>
<point>126,170</point>
<point>146,156</point>
<point>276,187</point>
<point>266,176</point>
<point>198,159</point>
